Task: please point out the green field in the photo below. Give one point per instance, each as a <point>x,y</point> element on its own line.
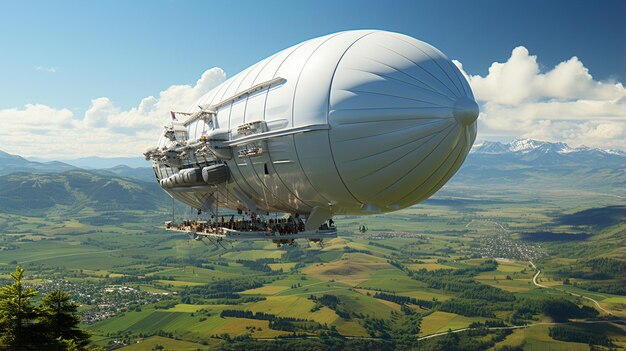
<point>438,322</point>
<point>168,344</point>
<point>398,281</point>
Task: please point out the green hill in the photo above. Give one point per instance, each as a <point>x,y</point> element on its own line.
<point>31,193</point>
<point>13,163</point>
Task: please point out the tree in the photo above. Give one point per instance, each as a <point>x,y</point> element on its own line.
<point>52,325</point>
<point>59,320</point>
<point>17,314</point>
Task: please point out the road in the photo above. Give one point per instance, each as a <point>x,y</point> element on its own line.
<point>67,255</point>
<point>536,276</point>
<point>460,330</point>
<point>519,327</point>
<point>537,284</point>
<point>567,292</point>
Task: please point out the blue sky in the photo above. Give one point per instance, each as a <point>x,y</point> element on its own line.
<point>130,49</point>
<point>62,55</point>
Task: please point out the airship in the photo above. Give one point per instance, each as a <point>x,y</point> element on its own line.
<point>352,123</point>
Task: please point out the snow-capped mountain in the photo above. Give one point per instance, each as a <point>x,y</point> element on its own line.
<point>529,146</point>
<point>534,164</point>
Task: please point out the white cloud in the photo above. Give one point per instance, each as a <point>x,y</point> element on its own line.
<point>46,69</point>
<point>103,130</point>
<point>517,99</point>
<point>100,113</point>
<point>563,104</point>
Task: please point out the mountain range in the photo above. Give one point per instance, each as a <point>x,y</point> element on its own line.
<point>528,163</point>
<point>13,163</point>
<point>520,152</point>
<point>95,162</point>
<point>32,192</point>
<point>33,188</point>
<point>525,163</point>
<point>120,167</point>
<point>529,149</point>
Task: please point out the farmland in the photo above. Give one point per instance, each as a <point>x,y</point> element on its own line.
<point>453,263</point>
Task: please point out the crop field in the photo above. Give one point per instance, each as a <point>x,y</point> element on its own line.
<point>258,329</point>
<point>46,250</point>
<point>285,267</point>
<point>510,276</point>
<point>252,254</point>
<point>426,294</point>
<point>351,269</point>
<point>536,338</point>
<point>167,343</point>
<point>283,306</point>
<point>617,300</point>
<point>266,290</point>
<point>438,322</point>
<point>315,288</point>
<point>430,266</point>
<point>393,280</point>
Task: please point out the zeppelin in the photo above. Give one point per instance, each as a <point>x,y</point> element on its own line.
<point>356,122</point>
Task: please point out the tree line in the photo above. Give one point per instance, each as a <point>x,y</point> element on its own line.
<point>225,290</point>
<point>402,300</point>
<point>290,324</point>
<point>464,307</point>
<point>566,333</point>
<point>332,302</point>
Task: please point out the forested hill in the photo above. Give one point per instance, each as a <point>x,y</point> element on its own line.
<point>32,193</point>
<point>13,163</point>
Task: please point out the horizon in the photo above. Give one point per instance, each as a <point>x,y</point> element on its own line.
<point>132,161</point>
<point>477,143</point>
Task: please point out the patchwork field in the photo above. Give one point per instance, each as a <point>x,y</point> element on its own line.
<point>416,272</point>
<point>352,269</point>
<point>510,276</point>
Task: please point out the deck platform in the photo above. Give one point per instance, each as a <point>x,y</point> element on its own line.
<point>230,234</point>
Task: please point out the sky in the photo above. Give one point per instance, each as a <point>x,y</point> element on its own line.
<point>98,77</point>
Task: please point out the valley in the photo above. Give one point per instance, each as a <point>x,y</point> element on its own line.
<point>459,269</point>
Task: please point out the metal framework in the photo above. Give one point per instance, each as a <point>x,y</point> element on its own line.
<point>230,234</point>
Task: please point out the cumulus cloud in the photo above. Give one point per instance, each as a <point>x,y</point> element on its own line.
<point>104,129</point>
<point>517,98</point>
<point>564,103</point>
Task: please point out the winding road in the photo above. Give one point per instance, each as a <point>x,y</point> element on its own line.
<point>567,292</point>
<point>520,327</point>
<point>537,284</point>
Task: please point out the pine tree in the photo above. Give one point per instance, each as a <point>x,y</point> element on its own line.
<point>17,314</point>
<point>59,320</point>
